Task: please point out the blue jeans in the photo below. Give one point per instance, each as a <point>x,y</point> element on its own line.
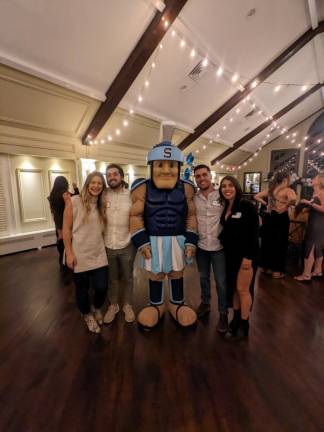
<point>217,260</point>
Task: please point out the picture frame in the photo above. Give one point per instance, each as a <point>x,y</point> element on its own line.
<point>31,195</point>
<point>252,182</point>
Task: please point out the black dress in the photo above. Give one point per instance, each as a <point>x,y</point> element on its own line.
<point>240,240</point>
<point>314,236</point>
<point>274,241</point>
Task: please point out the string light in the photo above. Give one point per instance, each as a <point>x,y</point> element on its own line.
<point>220,71</point>
<point>125,123</point>
<point>205,62</point>
<point>192,53</point>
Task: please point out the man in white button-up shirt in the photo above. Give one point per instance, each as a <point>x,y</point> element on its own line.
<point>120,250</point>
<point>210,251</point>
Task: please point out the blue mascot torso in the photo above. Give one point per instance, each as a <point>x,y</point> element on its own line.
<point>165,211</point>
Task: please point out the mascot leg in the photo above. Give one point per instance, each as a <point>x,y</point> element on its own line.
<point>150,316</point>
<point>183,314</point>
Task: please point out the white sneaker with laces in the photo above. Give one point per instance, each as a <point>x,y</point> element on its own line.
<point>112,311</point>
<point>129,313</point>
<point>91,323</point>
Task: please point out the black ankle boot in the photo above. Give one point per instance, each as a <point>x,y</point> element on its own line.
<point>243,330</point>
<point>234,324</point>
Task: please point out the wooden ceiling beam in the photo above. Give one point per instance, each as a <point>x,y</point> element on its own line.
<point>133,65</point>
<point>262,76</point>
<point>267,123</point>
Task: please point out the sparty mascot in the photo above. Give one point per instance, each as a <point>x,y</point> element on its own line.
<point>164,229</point>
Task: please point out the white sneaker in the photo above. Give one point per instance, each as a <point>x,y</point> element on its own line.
<point>98,316</point>
<point>91,323</point>
<point>129,313</point>
<point>112,311</point>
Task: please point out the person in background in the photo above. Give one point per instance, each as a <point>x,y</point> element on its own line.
<point>210,250</point>
<point>83,226</point>
<point>120,250</point>
<point>239,238</point>
<point>275,229</point>
<point>59,194</point>
<point>314,237</point>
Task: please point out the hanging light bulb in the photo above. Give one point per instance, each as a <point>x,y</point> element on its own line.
<point>182,43</point>
<point>109,138</point>
<point>219,71</point>
<point>234,78</point>
<point>173,33</point>
<point>192,53</point>
<point>140,98</point>
<point>254,84</point>
<point>205,62</point>
<point>125,123</point>
<point>277,88</point>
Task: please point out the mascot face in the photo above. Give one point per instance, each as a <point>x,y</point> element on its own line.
<point>165,173</point>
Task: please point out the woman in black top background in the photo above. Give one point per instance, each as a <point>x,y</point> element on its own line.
<point>240,241</point>
<point>57,198</point>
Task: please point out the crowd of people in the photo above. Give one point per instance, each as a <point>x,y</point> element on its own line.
<point>93,232</point>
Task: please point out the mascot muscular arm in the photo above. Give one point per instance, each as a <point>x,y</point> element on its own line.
<point>164,229</point>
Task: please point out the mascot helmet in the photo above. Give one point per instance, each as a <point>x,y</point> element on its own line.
<point>165,150</point>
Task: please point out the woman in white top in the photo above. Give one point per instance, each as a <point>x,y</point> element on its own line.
<point>83,226</point>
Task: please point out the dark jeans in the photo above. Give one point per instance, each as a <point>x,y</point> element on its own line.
<point>98,279</point>
<point>217,260</point>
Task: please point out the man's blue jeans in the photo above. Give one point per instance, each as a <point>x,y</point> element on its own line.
<point>217,260</point>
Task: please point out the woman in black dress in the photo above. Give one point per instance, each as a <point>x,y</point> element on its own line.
<point>240,241</point>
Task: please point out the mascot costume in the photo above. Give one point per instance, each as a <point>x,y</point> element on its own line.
<point>164,229</point>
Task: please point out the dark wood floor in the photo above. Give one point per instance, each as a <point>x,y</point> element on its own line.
<point>55,376</point>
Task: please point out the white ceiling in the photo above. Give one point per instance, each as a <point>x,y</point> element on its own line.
<point>82,45</point>
<point>79,43</point>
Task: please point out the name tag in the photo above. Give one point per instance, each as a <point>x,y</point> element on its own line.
<point>216,203</point>
<point>237,215</point>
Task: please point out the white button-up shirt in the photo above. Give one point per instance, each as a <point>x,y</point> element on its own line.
<point>117,204</point>
<point>209,211</point>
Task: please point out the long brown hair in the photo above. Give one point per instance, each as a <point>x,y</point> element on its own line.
<point>86,197</point>
<point>278,178</point>
<point>238,189</point>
